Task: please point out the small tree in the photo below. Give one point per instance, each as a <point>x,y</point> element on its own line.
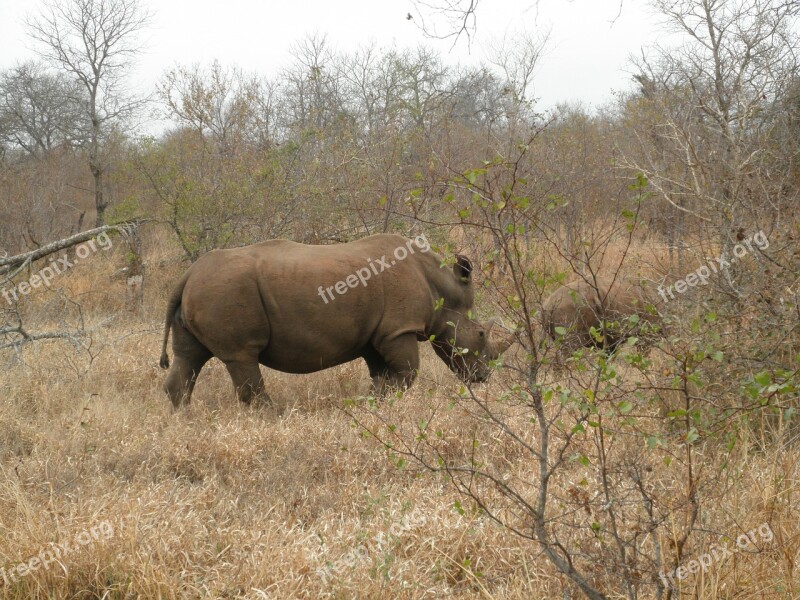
<point>40,110</point>
<point>613,467</point>
<point>710,119</point>
<point>94,41</point>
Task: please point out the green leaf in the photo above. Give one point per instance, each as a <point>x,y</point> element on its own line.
<point>763,378</point>
<point>692,436</point>
<point>625,406</point>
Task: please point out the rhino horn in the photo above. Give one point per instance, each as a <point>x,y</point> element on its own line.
<point>501,342</point>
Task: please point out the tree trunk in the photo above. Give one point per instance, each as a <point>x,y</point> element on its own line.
<point>95,167</point>
<point>134,291</point>
<point>95,163</point>
<point>99,199</point>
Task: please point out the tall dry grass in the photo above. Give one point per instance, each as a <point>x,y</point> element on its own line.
<point>219,500</point>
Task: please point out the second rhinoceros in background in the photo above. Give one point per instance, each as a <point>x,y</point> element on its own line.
<point>603,304</point>
<point>299,308</point>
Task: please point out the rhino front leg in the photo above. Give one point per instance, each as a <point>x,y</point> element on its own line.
<point>378,371</point>
<point>247,380</point>
<point>401,359</point>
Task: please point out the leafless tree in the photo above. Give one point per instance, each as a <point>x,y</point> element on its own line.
<point>517,57</point>
<point>94,41</point>
<point>40,110</point>
<point>451,19</point>
<point>711,111</point>
<point>459,18</point>
<point>217,102</point>
<point>370,87</point>
<point>311,91</point>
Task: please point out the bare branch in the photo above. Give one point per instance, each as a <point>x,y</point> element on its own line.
<point>12,262</point>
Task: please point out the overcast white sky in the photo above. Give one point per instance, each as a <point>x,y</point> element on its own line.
<point>587,56</point>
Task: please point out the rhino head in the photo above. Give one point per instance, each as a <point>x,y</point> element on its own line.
<point>465,345</point>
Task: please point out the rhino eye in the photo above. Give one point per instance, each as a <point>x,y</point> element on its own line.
<point>481,333</point>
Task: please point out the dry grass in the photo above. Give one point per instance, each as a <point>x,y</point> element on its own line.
<point>223,501</point>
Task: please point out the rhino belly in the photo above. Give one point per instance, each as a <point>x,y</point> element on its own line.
<point>314,343</point>
<point>294,357</point>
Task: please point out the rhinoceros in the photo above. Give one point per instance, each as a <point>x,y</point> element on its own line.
<point>603,303</point>
<point>301,308</point>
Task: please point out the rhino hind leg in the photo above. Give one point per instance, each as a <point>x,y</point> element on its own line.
<point>189,357</point>
<point>247,380</point>
<point>181,378</point>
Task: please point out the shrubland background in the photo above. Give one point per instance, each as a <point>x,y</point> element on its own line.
<point>552,480</point>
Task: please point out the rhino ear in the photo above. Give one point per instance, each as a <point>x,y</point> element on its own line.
<point>463,268</point>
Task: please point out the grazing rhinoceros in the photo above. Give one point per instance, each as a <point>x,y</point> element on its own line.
<point>298,308</point>
<point>602,303</point>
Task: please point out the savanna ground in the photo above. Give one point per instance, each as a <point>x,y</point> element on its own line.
<point>668,472</point>
<point>220,500</point>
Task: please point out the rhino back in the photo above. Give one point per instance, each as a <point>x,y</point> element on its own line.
<point>308,315</point>
<point>628,297</point>
<point>584,304</point>
<point>574,305</point>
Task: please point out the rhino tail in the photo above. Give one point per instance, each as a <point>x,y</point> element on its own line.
<point>172,306</point>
